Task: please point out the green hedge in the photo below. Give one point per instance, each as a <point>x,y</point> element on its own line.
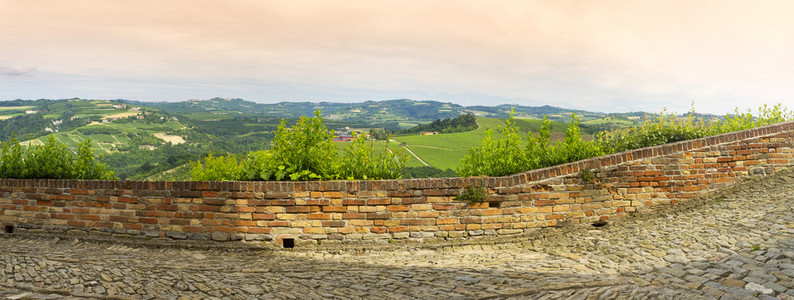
<point>512,153</point>
<point>305,152</point>
<point>51,160</point>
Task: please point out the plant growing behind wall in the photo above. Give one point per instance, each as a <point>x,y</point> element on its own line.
<point>667,127</point>
<point>51,160</point>
<point>306,152</point>
<point>511,154</point>
<point>361,160</point>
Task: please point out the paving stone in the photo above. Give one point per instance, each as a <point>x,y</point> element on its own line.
<point>752,286</point>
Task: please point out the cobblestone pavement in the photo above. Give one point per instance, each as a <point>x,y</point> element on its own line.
<point>732,246</point>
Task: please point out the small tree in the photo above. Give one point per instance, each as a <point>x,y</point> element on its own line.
<point>496,157</point>
<point>306,150</point>
<point>362,161</point>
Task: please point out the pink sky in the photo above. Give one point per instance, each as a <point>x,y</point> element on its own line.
<point>611,56</point>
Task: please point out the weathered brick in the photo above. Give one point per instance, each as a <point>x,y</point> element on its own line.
<point>333,195</point>
<point>353,202</point>
<point>468,220</point>
<point>443,206</point>
<point>298,209</point>
<point>409,222</point>
<point>378,201</point>
<point>329,223</point>
<point>421,207</point>
<point>378,216</point>
<point>337,209</point>
<point>264,216</point>
<point>397,208</point>
<point>427,214</point>
<point>491,212</point>
<point>319,216</point>
<point>399,229</point>
<point>354,216</point>
<point>244,209</point>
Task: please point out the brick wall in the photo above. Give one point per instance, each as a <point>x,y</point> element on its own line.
<point>396,209</point>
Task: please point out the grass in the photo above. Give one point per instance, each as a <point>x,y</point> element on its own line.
<point>444,151</point>
<point>176,174</point>
<point>608,120</point>
<point>207,116</point>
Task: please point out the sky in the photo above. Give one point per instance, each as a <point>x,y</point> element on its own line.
<point>606,56</point>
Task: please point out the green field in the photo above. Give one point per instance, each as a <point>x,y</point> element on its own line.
<point>445,151</point>
<point>610,122</point>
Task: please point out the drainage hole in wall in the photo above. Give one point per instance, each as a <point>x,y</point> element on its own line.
<point>9,228</point>
<point>494,204</point>
<point>599,223</point>
<point>288,243</point>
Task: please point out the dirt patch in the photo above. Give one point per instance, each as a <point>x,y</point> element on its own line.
<point>174,139</point>
<point>15,107</point>
<point>122,115</point>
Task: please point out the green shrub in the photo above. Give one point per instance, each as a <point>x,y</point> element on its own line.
<point>666,127</point>
<point>88,167</point>
<point>305,152</point>
<point>12,162</point>
<point>505,155</point>
<point>216,168</point>
<point>472,194</point>
<point>362,161</point>
<point>510,154</point>
<point>48,160</point>
<point>51,160</point>
<point>497,157</point>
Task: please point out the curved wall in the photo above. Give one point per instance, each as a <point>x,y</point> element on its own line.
<point>396,209</point>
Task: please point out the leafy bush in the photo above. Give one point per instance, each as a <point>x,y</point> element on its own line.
<point>51,160</point>
<point>666,127</point>
<point>497,157</point>
<point>362,161</point>
<point>505,155</point>
<point>216,168</point>
<point>573,148</point>
<point>305,152</point>
<point>510,154</point>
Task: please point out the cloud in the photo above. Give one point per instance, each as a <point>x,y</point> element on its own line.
<point>17,71</point>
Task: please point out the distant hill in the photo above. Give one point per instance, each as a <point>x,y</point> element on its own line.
<point>399,113</point>
<point>389,113</point>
